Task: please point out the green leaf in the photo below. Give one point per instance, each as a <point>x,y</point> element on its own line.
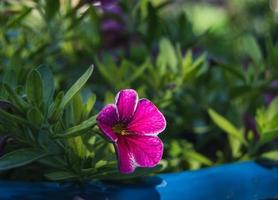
<point>89,106</point>
<point>267,118</point>
<point>79,129</point>
<point>19,102</point>
<point>226,126</point>
<point>55,108</point>
<point>101,163</point>
<point>265,137</point>
<point>13,118</point>
<point>234,70</point>
<point>235,146</point>
<point>192,70</point>
<point>272,155</point>
<point>20,158</point>
<point>250,46</point>
<point>187,61</point>
<point>10,77</point>
<point>54,161</point>
<point>272,110</point>
<point>16,20</point>
<point>77,106</point>
<point>104,71</point>
<point>60,175</point>
<point>76,86</point>
<point>47,82</point>
<point>35,116</point>
<point>43,140</point>
<point>167,56</point>
<point>34,88</point>
<point>138,72</point>
<point>77,144</point>
<point>52,7</point>
<point>268,137</point>
<point>198,157</point>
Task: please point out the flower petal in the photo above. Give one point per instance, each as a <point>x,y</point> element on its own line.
<point>106,119</point>
<point>147,119</point>
<point>147,150</point>
<point>126,102</point>
<point>126,161</point>
<point>138,151</point>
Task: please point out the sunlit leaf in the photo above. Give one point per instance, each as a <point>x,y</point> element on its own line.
<point>226,126</point>
<point>272,155</point>
<point>167,56</point>
<point>198,157</point>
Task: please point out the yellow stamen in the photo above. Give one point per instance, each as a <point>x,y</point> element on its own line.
<point>124,132</point>
<point>119,128</point>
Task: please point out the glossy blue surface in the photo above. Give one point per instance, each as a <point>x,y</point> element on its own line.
<point>240,181</point>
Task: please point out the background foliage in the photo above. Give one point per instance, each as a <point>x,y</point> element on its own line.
<point>210,66</point>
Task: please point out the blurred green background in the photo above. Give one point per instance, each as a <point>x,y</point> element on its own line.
<point>210,66</point>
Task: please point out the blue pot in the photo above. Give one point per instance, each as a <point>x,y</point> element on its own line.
<point>239,181</point>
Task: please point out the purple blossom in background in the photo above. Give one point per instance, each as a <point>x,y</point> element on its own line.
<point>113,22</point>
<point>269,96</point>
<point>132,125</point>
<point>111,7</point>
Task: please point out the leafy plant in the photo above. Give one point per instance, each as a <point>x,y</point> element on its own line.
<point>248,146</point>
<point>57,131</point>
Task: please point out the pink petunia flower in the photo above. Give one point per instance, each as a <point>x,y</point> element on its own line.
<point>133,125</point>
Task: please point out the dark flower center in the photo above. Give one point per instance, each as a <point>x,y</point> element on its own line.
<point>120,129</point>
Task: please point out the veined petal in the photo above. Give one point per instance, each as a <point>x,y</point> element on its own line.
<point>126,102</point>
<point>146,150</point>
<point>147,119</point>
<point>106,119</point>
<point>138,151</point>
<point>126,163</point>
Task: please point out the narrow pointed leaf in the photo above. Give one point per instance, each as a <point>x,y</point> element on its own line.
<point>77,86</point>
<point>226,126</point>
<point>48,83</point>
<point>20,158</point>
<point>55,108</point>
<point>89,106</point>
<point>139,71</point>
<point>19,102</point>
<point>13,118</point>
<point>76,130</point>
<point>272,155</point>
<point>34,88</point>
<point>59,175</point>
<point>198,157</point>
